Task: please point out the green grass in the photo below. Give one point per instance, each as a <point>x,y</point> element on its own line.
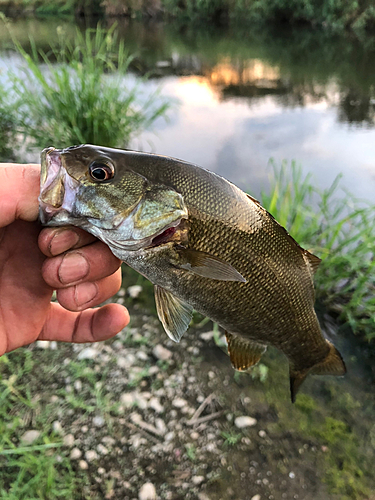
<point>29,471</point>
<point>76,93</point>
<point>337,228</point>
<point>7,127</point>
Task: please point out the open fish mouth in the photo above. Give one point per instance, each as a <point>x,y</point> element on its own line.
<point>57,189</point>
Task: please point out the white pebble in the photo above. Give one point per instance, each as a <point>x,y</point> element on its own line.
<point>83,465</point>
<point>88,353</point>
<point>42,344</point>
<point>78,385</point>
<point>256,497</point>
<point>91,455</point>
<point>161,352</point>
<point>102,449</point>
<point>179,403</point>
<point>242,422</point>
<point>69,440</point>
<point>197,480</point>
<point>292,475</point>
<point>57,427</point>
<point>98,421</point>
<point>147,492</point>
<point>30,436</point>
<point>154,403</point>
<point>75,454</point>
<point>134,291</point>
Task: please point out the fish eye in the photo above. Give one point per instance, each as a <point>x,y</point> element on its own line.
<point>100,171</point>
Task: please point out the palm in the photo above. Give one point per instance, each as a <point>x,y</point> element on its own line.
<point>24,295</point>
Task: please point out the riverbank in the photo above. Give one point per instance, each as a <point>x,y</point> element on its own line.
<point>140,413</point>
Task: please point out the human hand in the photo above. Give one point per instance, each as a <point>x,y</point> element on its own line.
<point>36,261</point>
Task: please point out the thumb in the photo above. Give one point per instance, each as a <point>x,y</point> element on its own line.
<point>19,191</point>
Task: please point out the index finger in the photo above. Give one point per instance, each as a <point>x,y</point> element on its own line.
<point>19,191</point>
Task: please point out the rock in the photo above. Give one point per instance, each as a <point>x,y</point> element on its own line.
<point>242,422</point>
<point>69,440</point>
<point>179,403</point>
<point>101,470</point>
<point>197,480</point>
<point>207,335</point>
<point>53,345</point>
<point>154,403</point>
<point>256,497</point>
<point>42,344</point>
<point>88,353</point>
<point>142,356</point>
<point>84,429</point>
<point>134,291</point>
<point>78,385</point>
<point>161,352</point>
<point>147,492</point>
<point>91,455</point>
<point>98,421</point>
<point>194,435</point>
<point>30,437</point>
<point>83,465</point>
<point>160,425</point>
<point>262,434</point>
<point>127,399</point>
<point>109,441</point>
<point>57,427</point>
<point>102,449</point>
<point>75,454</point>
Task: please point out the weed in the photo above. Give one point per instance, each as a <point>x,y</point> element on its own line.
<point>231,438</point>
<point>79,94</point>
<point>191,452</point>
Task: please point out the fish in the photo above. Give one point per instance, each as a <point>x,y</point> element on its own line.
<point>204,243</point>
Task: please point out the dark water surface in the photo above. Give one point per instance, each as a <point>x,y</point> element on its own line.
<point>241,99</point>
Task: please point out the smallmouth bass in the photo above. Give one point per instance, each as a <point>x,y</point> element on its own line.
<point>203,243</point>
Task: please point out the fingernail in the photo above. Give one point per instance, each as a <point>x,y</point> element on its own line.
<point>84,293</point>
<point>62,241</point>
<point>73,267</point>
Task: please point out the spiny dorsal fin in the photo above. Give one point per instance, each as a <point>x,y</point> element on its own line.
<point>208,266</point>
<point>174,314</point>
<point>311,260</point>
<point>243,353</point>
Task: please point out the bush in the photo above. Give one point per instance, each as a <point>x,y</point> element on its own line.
<point>78,95</point>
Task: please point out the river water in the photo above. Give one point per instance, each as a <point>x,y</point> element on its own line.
<point>244,98</point>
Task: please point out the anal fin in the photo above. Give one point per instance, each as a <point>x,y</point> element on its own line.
<point>243,353</point>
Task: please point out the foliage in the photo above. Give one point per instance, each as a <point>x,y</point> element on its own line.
<point>79,94</point>
<point>340,230</point>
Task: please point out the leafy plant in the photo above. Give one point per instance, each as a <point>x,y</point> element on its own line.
<point>76,93</point>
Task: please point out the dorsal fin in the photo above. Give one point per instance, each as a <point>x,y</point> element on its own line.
<point>311,260</point>
<point>243,353</point>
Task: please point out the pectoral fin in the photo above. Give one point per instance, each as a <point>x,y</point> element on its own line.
<point>208,266</point>
<point>174,314</point>
<point>243,353</point>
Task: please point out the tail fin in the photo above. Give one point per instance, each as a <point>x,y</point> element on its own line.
<point>333,364</point>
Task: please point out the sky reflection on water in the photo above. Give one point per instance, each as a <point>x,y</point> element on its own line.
<point>236,137</point>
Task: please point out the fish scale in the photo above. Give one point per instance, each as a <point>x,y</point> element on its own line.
<point>204,243</point>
